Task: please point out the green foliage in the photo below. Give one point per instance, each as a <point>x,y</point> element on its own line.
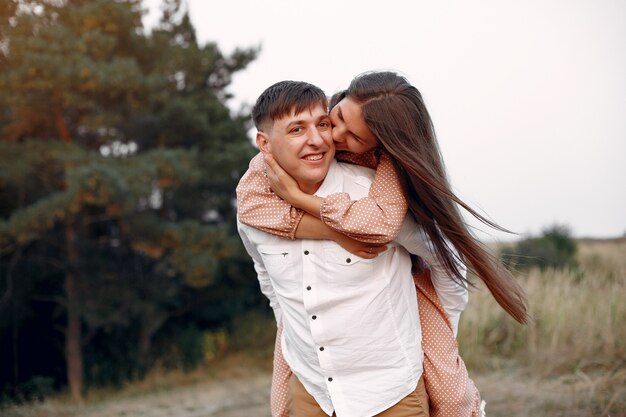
<point>214,344</point>
<point>555,248</point>
<point>254,332</point>
<point>187,351</point>
<point>35,389</point>
<point>119,162</point>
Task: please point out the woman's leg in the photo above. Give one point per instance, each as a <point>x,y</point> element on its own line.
<point>279,400</point>
<point>451,391</point>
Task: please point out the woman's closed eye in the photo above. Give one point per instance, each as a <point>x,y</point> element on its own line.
<point>357,138</point>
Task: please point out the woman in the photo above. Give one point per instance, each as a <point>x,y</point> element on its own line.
<point>383,117</point>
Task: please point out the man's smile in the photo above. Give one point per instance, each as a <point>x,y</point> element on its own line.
<point>314,157</point>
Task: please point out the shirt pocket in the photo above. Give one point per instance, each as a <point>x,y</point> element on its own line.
<point>346,270</point>
<point>279,263</point>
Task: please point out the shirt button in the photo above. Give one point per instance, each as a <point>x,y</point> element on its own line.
<point>308,288</point>
<point>314,317</point>
<point>322,348</point>
<point>330,379</point>
<point>306,252</point>
<point>348,260</point>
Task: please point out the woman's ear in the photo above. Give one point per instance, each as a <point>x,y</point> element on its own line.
<point>262,141</point>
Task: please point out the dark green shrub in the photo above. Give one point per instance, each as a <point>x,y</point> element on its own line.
<point>555,248</point>
<point>34,389</point>
<point>254,332</point>
<point>186,350</point>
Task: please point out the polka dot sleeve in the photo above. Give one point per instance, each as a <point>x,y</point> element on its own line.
<point>376,218</point>
<point>259,207</point>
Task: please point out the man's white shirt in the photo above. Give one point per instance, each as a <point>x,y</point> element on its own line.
<point>351,329</point>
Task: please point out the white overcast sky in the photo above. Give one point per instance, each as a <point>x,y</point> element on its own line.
<point>528,97</point>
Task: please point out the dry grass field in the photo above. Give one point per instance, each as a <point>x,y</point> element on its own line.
<point>569,361</point>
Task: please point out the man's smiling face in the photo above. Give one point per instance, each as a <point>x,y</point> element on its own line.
<point>302,145</point>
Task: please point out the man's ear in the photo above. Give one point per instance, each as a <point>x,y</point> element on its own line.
<point>262,141</point>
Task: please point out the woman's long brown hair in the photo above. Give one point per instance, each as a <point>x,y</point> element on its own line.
<point>395,112</point>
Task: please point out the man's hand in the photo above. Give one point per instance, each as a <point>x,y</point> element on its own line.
<point>360,249</point>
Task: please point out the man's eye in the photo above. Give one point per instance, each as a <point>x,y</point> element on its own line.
<point>325,124</point>
<point>296,130</point>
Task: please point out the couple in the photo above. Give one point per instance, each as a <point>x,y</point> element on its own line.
<point>351,332</point>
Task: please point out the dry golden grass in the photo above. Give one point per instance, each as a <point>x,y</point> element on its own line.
<point>571,359</point>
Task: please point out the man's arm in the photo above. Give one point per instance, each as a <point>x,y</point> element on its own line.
<point>313,228</point>
<point>453,296</point>
<point>264,279</point>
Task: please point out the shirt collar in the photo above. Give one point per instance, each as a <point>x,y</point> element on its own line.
<point>333,182</point>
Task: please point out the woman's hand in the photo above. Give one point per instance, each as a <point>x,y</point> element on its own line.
<point>360,249</point>
<point>282,183</point>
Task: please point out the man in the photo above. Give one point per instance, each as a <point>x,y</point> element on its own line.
<point>350,325</point>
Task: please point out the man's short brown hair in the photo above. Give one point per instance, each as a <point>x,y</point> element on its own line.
<point>284,98</point>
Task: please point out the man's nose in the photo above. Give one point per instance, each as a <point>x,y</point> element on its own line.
<point>315,138</point>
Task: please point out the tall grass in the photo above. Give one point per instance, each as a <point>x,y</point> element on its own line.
<point>578,324</point>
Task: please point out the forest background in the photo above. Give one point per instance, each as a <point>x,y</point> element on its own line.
<point>118,249</point>
<point>119,164</point>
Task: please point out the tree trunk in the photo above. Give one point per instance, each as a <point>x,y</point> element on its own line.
<point>10,297</point>
<point>73,337</point>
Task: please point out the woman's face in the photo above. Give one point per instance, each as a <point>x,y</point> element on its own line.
<point>350,132</point>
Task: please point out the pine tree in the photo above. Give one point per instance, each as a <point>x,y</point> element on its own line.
<point>119,160</point>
